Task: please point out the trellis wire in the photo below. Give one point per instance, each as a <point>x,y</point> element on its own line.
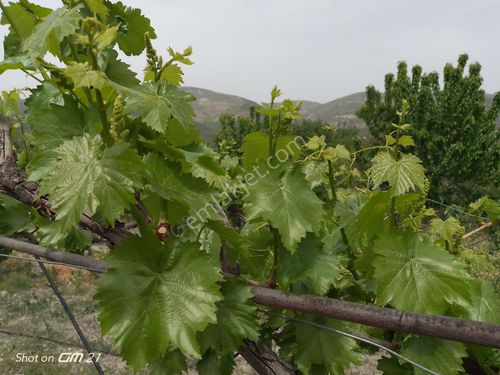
<point>68,312</point>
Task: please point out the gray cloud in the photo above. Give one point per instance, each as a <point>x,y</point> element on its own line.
<point>316,50</point>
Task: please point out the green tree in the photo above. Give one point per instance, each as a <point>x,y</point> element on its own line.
<point>233,129</point>
<point>453,129</point>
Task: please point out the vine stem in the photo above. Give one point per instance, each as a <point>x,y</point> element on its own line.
<point>332,182</point>
<point>343,234</point>
<point>274,268</point>
<point>100,105</point>
<point>272,150</point>
<point>32,76</point>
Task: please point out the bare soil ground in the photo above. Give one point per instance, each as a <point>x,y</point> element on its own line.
<point>33,322</point>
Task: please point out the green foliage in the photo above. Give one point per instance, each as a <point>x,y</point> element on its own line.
<point>332,352</point>
<point>236,320</point>
<point>145,295</point>
<point>487,205</point>
<point>156,109</point>
<point>311,264</point>
<point>198,226</point>
<point>255,148</point>
<point>233,130</point>
<point>403,175</point>
<point>82,175</point>
<point>416,275</point>
<point>173,362</point>
<point>82,76</point>
<point>284,199</point>
<point>211,364</point>
<point>50,32</point>
<point>445,229</point>
<point>132,26</point>
<point>485,305</point>
<point>14,216</point>
<point>424,350</point>
<point>453,130</point>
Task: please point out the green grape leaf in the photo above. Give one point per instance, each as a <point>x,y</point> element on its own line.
<point>83,176</point>
<point>403,175</point>
<point>373,219</point>
<point>339,152</point>
<point>310,262</point>
<point>406,141</point>
<point>51,124</point>
<point>197,159</point>
<point>390,140</point>
<point>157,109</point>
<point>232,240</point>
<point>211,364</point>
<point>98,7</point>
<point>14,215</point>
<point>156,297</point>
<point>49,33</point>
<point>82,76</point>
<point>119,72</point>
<point>41,98</point>
<point>133,26</point>
<point>284,198</point>
<point>172,74</point>
<point>255,148</point>
<point>443,357</point>
<point>236,320</point>
<point>9,103</point>
<point>414,274</point>
<point>445,229</point>
<point>50,234</point>
<point>165,178</point>
<point>319,347</point>
<point>24,19</point>
<point>106,38</point>
<point>255,260</point>
<point>315,172</point>
<point>315,142</point>
<point>12,45</point>
<point>35,9</point>
<point>172,363</point>
<point>489,206</point>
<point>179,135</point>
<point>485,304</point>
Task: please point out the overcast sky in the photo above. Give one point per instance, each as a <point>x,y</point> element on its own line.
<point>316,50</point>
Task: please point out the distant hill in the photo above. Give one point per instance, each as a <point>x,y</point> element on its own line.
<point>341,112</point>
<point>209,105</point>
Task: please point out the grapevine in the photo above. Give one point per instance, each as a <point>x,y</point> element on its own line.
<point>101,148</point>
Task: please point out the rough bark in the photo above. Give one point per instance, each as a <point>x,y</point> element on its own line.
<point>444,327</point>
<point>264,360</point>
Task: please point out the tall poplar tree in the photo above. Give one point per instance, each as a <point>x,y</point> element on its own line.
<point>453,128</point>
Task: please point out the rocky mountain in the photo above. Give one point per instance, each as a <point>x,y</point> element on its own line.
<point>339,112</point>
<point>209,105</point>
